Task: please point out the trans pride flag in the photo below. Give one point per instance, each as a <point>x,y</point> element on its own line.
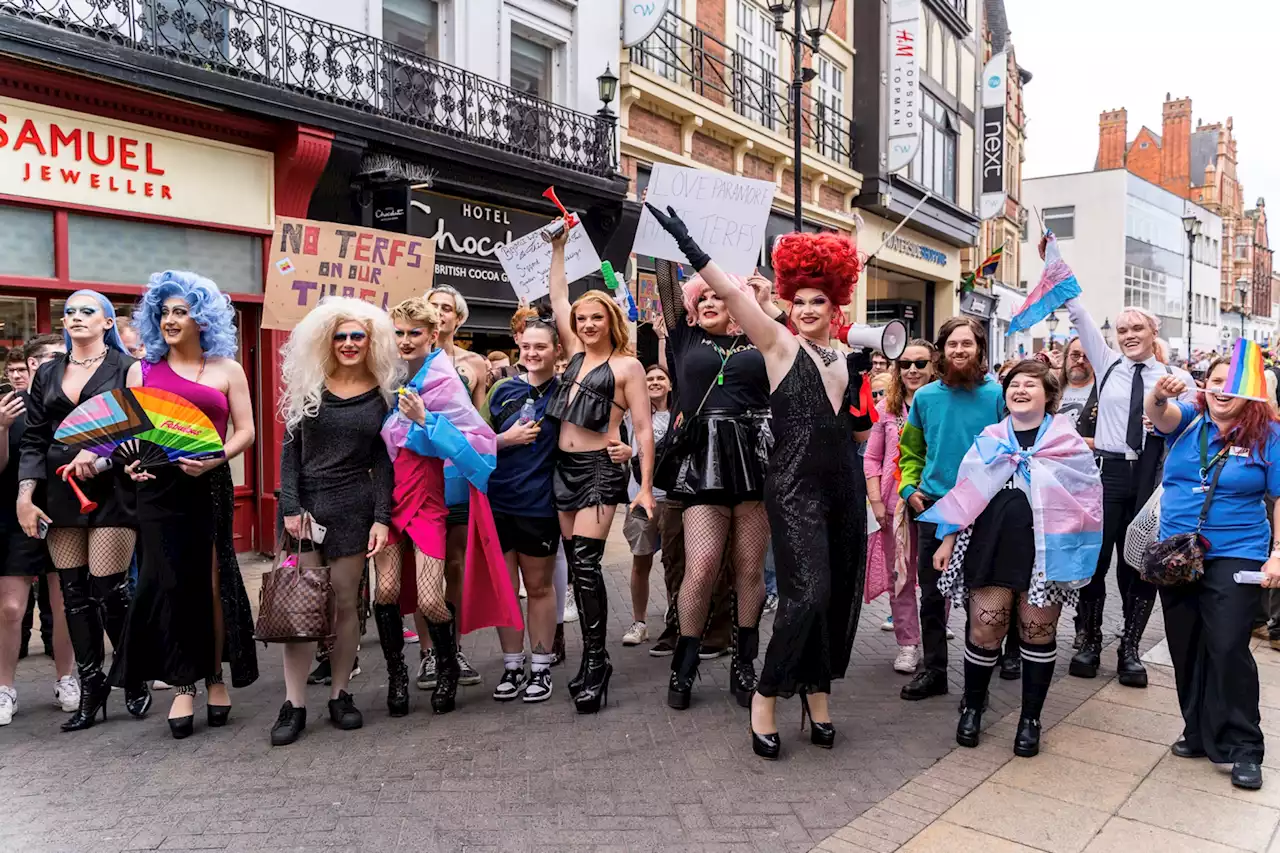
<point>1061,481</point>
<point>1057,285</point>
<point>455,432</point>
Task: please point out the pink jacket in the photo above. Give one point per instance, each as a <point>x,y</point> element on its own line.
<point>881,460</point>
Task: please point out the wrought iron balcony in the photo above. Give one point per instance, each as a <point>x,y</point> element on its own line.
<point>277,47</point>
<point>698,61</point>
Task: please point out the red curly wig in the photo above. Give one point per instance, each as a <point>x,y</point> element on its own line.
<point>827,262</point>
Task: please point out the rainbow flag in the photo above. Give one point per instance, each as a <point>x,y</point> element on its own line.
<point>1057,285</point>
<point>1244,378</point>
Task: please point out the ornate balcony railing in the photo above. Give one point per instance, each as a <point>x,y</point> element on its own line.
<point>698,61</point>
<point>269,44</point>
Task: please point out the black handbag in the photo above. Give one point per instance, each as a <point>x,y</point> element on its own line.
<point>1180,558</point>
<point>673,449</point>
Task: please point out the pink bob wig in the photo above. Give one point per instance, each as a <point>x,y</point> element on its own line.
<point>691,292</point>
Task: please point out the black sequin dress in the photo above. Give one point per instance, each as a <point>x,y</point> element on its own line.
<point>816,497</point>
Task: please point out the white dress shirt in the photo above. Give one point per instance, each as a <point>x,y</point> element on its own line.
<point>1113,397</point>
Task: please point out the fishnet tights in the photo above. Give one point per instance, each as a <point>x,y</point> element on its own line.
<point>387,565</point>
<point>105,550</point>
<point>990,608</point>
<point>707,532</point>
<point>431,598</point>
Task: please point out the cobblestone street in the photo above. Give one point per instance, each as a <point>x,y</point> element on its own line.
<point>637,777</point>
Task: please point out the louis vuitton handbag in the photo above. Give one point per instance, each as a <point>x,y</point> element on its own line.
<point>296,603</point>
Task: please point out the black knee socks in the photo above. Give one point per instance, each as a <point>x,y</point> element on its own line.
<point>1038,661</point>
<point>978,666</point>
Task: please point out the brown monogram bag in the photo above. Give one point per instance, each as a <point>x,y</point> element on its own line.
<point>296,603</point>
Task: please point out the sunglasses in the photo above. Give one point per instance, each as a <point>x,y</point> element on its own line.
<point>876,395</point>
<point>413,333</point>
<point>82,310</point>
<point>354,337</point>
<point>918,364</point>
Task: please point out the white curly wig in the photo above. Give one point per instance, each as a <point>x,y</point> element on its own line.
<point>309,359</point>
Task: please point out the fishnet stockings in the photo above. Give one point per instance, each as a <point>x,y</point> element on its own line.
<point>990,608</point>
<point>707,531</point>
<point>430,577</point>
<point>386,566</point>
<point>105,550</point>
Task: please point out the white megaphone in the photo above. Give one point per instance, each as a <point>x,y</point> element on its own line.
<point>890,339</point>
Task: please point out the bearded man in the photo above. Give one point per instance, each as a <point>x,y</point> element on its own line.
<point>946,416</point>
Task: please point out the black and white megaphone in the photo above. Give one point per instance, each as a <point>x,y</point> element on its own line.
<point>890,339</point>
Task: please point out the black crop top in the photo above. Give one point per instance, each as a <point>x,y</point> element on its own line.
<point>590,408</point>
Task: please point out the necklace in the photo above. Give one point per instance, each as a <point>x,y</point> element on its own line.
<point>88,361</point>
<point>828,355</point>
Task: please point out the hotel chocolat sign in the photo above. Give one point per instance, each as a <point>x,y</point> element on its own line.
<point>467,235</point>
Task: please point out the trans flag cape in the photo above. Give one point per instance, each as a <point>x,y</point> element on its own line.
<point>1057,285</point>
<point>1063,486</point>
<point>454,432</point>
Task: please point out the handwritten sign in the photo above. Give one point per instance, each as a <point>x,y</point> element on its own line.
<point>726,216</point>
<point>311,260</point>
<point>527,261</point>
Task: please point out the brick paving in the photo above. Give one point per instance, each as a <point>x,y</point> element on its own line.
<point>490,777</point>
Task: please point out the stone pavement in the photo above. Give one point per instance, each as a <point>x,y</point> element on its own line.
<point>1104,782</point>
<point>494,777</point>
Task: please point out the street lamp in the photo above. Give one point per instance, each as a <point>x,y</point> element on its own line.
<point>809,18</point>
<point>1052,322</point>
<point>1192,226</point>
<point>1106,330</point>
<point>1242,290</point>
<point>607,84</point>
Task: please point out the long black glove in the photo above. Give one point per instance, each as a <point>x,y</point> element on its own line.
<point>674,225</point>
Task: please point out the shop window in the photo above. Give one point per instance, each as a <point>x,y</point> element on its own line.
<point>934,166</point>
<point>413,25</point>
<point>1062,222</point>
<point>17,320</point>
<point>125,251</point>
<point>26,242</point>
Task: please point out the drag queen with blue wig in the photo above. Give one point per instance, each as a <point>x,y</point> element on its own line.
<point>91,550</point>
<point>190,612</point>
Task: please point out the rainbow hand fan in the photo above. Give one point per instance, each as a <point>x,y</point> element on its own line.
<point>146,425</point>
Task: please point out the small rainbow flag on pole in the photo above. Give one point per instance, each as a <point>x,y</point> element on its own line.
<point>1057,285</point>
<point>1244,377</point>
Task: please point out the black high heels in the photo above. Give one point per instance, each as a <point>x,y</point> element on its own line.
<point>594,693</point>
<point>94,692</point>
<point>820,734</point>
<point>182,727</point>
<point>766,746</point>
<point>217,715</point>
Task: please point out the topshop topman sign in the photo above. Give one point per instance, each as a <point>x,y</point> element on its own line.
<point>903,101</point>
<point>994,94</point>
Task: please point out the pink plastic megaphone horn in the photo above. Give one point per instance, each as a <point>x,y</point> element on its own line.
<point>569,219</point>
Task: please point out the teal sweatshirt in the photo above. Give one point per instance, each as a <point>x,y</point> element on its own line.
<point>941,427</point>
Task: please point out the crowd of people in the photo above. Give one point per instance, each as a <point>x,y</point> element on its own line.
<point>771,468</point>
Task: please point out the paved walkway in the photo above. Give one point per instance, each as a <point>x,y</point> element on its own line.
<point>638,777</point>
<point>1104,782</point>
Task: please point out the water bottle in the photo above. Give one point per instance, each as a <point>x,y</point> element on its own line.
<point>528,414</point>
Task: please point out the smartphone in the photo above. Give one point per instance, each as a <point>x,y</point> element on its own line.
<point>5,388</point>
<point>42,529</point>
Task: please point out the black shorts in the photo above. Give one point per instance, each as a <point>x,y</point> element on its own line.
<point>24,556</point>
<point>528,535</point>
<point>459,514</point>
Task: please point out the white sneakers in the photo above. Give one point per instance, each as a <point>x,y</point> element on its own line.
<point>638,633</point>
<point>66,693</point>
<point>8,704</point>
<point>570,609</point>
<point>908,660</point>
<point>887,624</point>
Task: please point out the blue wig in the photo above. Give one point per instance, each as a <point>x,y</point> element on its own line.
<point>112,338</point>
<point>210,309</point>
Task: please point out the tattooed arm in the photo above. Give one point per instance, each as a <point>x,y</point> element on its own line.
<point>32,451</point>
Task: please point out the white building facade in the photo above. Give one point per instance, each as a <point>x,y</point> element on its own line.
<point>1127,243</point>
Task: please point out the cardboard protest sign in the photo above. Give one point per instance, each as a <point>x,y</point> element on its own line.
<point>726,216</point>
<point>310,260</point>
<point>527,261</point>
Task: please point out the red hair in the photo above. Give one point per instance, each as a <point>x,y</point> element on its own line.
<point>1253,428</point>
<point>827,262</point>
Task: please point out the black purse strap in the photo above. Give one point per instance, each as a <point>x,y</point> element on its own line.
<point>1208,496</point>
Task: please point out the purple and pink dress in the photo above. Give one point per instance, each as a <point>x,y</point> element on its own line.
<point>184,524</point>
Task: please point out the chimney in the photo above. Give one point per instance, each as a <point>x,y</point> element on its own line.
<point>1113,138</point>
<point>1175,147</point>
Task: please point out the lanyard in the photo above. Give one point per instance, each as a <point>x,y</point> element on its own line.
<point>1206,465</point>
<point>724,360</point>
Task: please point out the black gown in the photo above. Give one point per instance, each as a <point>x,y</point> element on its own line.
<point>816,499</point>
<point>41,456</point>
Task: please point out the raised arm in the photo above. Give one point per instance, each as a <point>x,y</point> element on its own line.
<point>670,299</point>
<point>761,327</point>
<point>560,305</point>
<point>1095,346</point>
<point>1164,417</point>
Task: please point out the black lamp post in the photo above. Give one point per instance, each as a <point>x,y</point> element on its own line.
<point>1106,330</point>
<point>1192,226</point>
<point>607,84</point>
<point>809,18</point>
<point>1242,291</point>
<point>1052,322</point>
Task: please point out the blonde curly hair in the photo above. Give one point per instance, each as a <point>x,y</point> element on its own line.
<point>309,359</point>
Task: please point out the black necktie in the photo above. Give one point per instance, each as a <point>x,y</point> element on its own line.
<point>1133,435</point>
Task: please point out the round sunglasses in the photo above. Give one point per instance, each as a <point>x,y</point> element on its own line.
<point>355,337</point>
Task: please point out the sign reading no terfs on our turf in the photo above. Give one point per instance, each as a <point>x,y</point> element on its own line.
<point>311,260</point>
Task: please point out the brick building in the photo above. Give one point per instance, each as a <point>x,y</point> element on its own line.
<point>1200,165</point>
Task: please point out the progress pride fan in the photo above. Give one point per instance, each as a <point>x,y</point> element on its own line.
<point>146,425</point>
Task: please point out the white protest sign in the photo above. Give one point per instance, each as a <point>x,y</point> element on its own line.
<point>726,216</point>
<point>527,261</point>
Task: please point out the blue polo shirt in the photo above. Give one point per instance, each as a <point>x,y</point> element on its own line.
<point>521,484</point>
<point>1237,524</point>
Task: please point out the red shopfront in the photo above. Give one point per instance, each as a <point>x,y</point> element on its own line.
<point>101,186</point>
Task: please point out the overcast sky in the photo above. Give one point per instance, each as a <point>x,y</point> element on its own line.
<point>1093,55</point>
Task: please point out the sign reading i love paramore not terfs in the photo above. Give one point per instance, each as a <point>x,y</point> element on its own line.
<point>726,216</point>
<point>311,260</point>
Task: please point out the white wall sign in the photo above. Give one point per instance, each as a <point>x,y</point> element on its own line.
<point>640,18</point>
<point>527,261</point>
<point>74,158</point>
<point>726,216</point>
<point>903,102</point>
<point>995,86</point>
